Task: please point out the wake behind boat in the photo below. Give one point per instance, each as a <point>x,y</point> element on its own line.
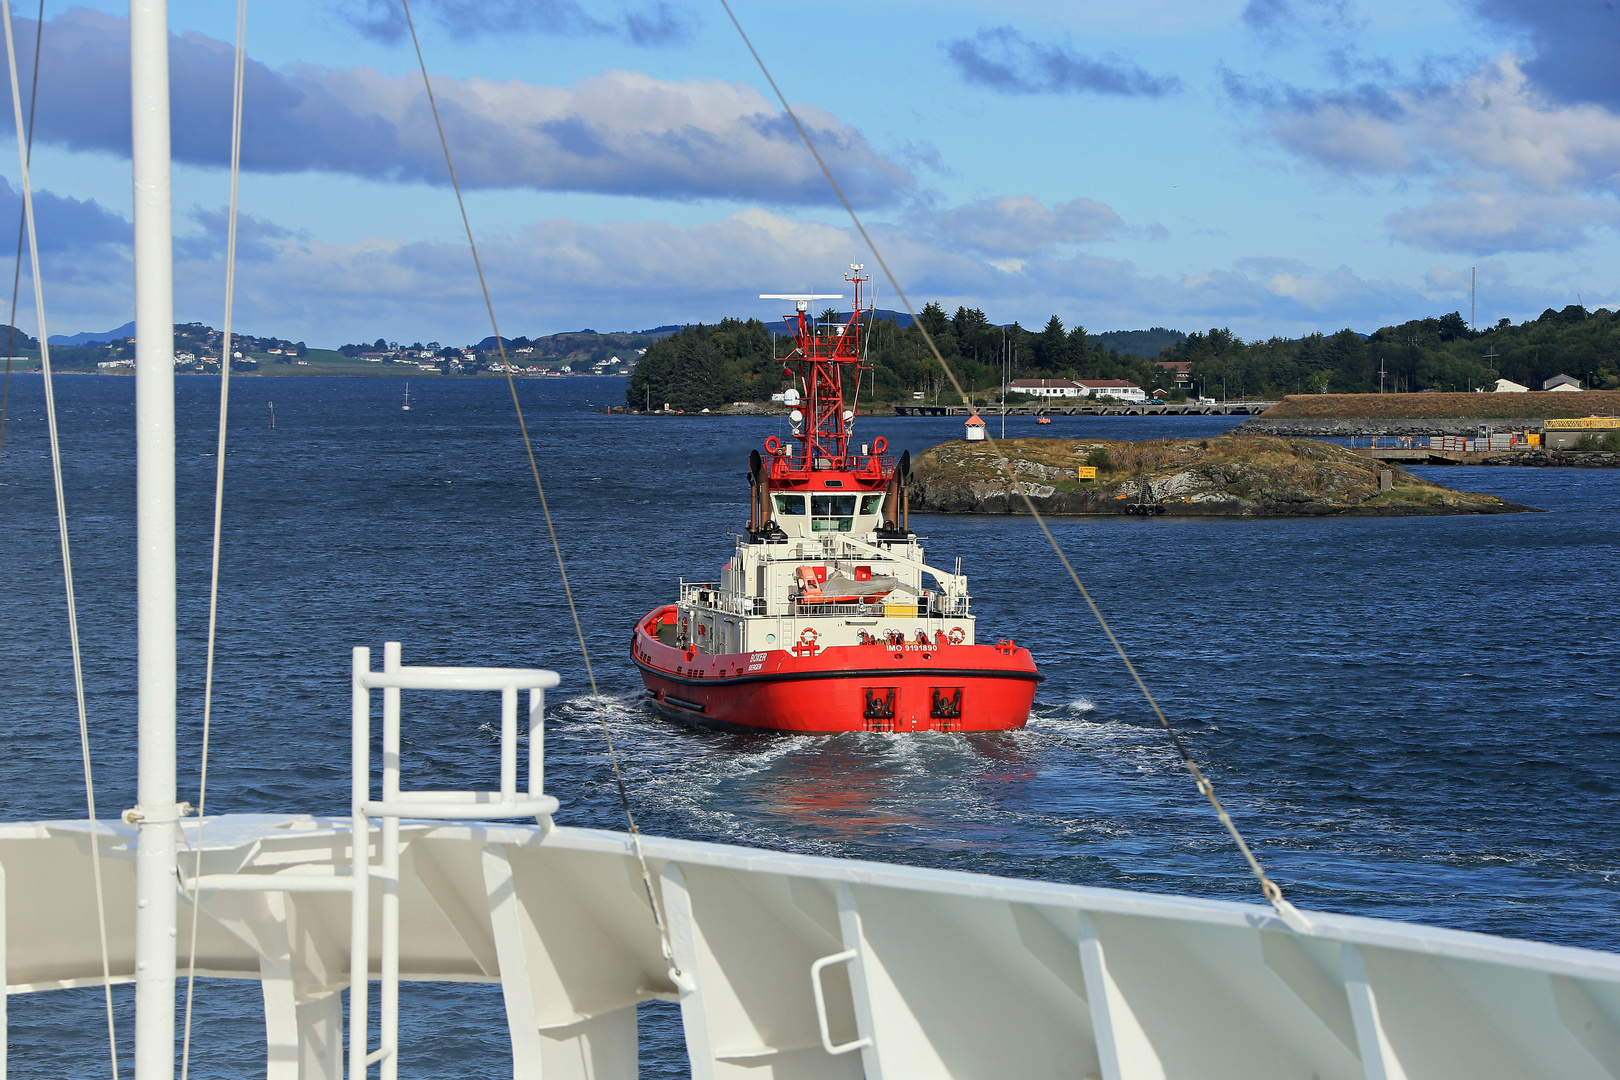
<point>825,619</point>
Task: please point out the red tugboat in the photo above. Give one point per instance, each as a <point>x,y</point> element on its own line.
<point>827,618</point>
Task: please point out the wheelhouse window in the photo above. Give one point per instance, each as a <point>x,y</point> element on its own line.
<point>872,504</point>
<point>832,513</point>
<point>789,505</point>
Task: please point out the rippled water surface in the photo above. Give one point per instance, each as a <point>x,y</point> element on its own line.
<point>1410,718</point>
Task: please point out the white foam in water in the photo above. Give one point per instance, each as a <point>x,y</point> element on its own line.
<point>1081,705</point>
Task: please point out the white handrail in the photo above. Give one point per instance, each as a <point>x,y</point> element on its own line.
<point>397,803</point>
<point>821,1004</point>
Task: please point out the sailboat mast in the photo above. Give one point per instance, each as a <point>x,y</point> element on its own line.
<point>155,892</point>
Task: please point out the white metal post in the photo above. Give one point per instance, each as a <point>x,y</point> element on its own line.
<point>509,700</point>
<point>359,870</point>
<point>388,990</point>
<point>155,892</point>
<point>537,746</point>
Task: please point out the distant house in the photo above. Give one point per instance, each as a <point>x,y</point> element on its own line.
<point>1561,382</point>
<point>1048,388</point>
<point>1179,370</point>
<point>1508,386</point>
<point>1113,388</point>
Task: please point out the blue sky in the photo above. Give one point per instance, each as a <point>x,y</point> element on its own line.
<point>1275,166</point>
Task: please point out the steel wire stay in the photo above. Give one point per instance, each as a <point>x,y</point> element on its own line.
<point>551,528</point>
<point>225,355</point>
<point>22,229</point>
<point>23,154</point>
<point>1267,887</point>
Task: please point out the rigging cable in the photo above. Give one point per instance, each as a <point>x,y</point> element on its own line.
<point>225,355</point>
<point>22,226</point>
<point>62,534</point>
<point>551,528</point>
<point>1268,887</point>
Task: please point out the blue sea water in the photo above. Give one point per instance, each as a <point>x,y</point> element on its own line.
<point>1409,718</point>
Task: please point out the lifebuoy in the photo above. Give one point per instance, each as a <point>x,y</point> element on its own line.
<point>879,445</point>
<point>956,636</point>
<point>773,445</point>
<point>809,636</point>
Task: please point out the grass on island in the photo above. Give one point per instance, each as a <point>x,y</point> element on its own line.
<point>1243,466</point>
<point>1539,405</point>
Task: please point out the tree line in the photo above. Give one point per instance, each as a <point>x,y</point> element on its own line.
<point>709,366</point>
<point>1434,354</point>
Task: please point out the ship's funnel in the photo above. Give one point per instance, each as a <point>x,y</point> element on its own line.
<point>904,472</point>
<point>756,506</point>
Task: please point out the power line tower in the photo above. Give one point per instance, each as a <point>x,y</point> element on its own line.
<point>1473,282</point>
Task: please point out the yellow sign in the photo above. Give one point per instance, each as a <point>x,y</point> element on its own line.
<point>1087,472</point>
<point>1585,423</point>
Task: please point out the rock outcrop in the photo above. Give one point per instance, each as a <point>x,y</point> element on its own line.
<point>1232,476</point>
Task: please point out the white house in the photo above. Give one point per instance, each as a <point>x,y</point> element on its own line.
<point>1049,388</point>
<point>1114,388</point>
<point>1561,382</point>
<point>1508,386</point>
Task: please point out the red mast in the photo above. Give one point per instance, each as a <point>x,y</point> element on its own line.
<point>821,351</point>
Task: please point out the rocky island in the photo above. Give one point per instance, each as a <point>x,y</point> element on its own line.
<point>1230,476</point>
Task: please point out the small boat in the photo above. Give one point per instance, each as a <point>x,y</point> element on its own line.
<point>824,619</point>
<point>407,406</point>
<point>1043,419</point>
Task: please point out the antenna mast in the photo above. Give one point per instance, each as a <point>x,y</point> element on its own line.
<point>821,351</point>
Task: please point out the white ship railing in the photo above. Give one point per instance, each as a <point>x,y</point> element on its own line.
<point>785,966</point>
<point>396,803</point>
<point>707,595</point>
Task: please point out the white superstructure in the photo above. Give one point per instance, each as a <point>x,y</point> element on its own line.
<point>785,580</point>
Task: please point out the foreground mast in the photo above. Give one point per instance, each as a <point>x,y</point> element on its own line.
<point>155,814</point>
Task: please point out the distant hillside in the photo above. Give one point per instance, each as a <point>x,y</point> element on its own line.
<point>89,337</point>
<point>17,339</point>
<point>580,349</point>
<point>1147,343</point>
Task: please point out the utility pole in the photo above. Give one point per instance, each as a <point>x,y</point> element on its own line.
<point>1380,374</point>
<point>1473,281</point>
<point>1004,382</point>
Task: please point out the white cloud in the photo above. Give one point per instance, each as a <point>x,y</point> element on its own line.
<point>1488,222</point>
<point>621,132</point>
<point>560,274</point>
<point>1521,173</point>
<point>1020,225</point>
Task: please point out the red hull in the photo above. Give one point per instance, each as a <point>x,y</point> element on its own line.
<point>876,687</point>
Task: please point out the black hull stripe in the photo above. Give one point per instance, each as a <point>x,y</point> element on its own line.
<point>874,674</point>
